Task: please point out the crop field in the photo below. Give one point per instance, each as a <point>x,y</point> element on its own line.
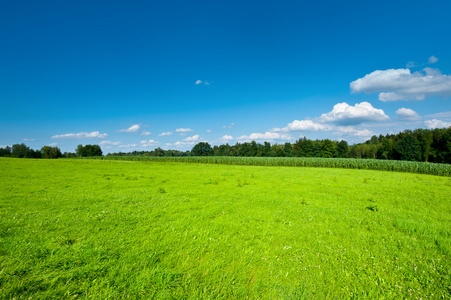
<point>105,229</point>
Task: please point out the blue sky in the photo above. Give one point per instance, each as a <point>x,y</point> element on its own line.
<point>136,75</point>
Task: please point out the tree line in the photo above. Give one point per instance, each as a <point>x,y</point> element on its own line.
<point>23,151</point>
<point>428,145</point>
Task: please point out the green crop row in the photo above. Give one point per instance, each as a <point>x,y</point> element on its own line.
<point>347,163</point>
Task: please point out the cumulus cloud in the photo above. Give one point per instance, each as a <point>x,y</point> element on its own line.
<point>165,133</point>
<point>28,140</point>
<point>268,135</point>
<point>81,135</point>
<point>351,131</point>
<point>147,143</point>
<point>434,123</point>
<point>401,84</point>
<point>344,114</point>
<point>304,125</point>
<point>133,128</point>
<point>192,138</point>
<point>229,126</point>
<point>227,138</point>
<point>184,130</point>
<point>407,114</point>
<point>128,146</point>
<point>109,143</point>
<point>432,59</point>
<point>53,144</point>
<point>198,82</point>
<point>145,133</point>
<point>180,144</point>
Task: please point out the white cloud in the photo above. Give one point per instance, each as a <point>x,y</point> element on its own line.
<point>410,64</point>
<point>145,133</point>
<point>209,130</point>
<point>400,84</point>
<point>109,143</point>
<point>184,130</point>
<point>341,114</point>
<point>127,146</point>
<point>407,114</point>
<point>133,128</point>
<point>192,138</point>
<point>200,82</point>
<point>148,143</point>
<point>266,136</point>
<point>344,114</point>
<point>227,138</point>
<point>351,131</point>
<point>432,59</point>
<point>229,126</point>
<point>28,140</point>
<point>305,125</point>
<point>53,144</point>
<point>165,133</point>
<point>442,115</point>
<point>434,123</point>
<point>180,144</point>
<point>81,135</point>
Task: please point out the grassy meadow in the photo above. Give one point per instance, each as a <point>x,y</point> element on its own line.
<point>98,229</point>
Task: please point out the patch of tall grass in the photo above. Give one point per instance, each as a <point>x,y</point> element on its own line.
<point>346,163</point>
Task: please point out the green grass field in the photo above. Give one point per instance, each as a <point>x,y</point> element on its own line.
<point>119,229</point>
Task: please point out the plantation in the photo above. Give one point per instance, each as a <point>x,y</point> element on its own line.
<point>348,163</point>
<point>99,229</point>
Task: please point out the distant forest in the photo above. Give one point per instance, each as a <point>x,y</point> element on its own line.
<point>428,145</point>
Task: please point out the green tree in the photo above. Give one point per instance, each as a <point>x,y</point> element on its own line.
<point>202,149</point>
<point>342,149</point>
<point>386,151</point>
<point>223,150</point>
<point>34,154</point>
<point>265,150</point>
<point>288,150</point>
<point>425,138</point>
<point>88,150</point>
<point>158,152</point>
<point>327,148</point>
<point>68,154</point>
<point>20,151</point>
<point>51,152</point>
<point>6,151</point>
<point>409,148</point>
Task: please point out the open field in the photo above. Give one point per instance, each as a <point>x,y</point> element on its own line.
<point>119,229</point>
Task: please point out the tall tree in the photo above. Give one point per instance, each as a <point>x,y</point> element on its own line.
<point>327,148</point>
<point>51,152</point>
<point>6,151</point>
<point>88,150</point>
<point>202,149</point>
<point>288,150</point>
<point>409,148</point>
<point>342,149</point>
<point>20,151</point>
